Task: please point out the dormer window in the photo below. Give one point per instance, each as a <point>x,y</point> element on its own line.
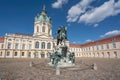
<point>43,23</point>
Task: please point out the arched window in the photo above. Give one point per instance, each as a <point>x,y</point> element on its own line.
<point>48,45</point>
<point>37,44</point>
<point>37,28</point>
<point>43,29</point>
<point>43,45</point>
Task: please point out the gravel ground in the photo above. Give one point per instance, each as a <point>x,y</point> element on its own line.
<point>19,69</point>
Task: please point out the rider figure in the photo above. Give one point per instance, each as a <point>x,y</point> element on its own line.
<point>62,34</point>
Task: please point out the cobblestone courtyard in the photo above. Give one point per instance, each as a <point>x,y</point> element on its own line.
<point>19,69</point>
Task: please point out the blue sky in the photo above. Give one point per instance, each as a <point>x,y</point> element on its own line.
<point>87,20</point>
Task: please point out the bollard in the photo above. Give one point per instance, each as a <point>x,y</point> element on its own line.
<point>94,66</point>
<point>31,64</point>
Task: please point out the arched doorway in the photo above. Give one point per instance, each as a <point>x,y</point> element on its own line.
<point>103,54</point>
<point>42,55</point>
<point>36,55</point>
<point>93,54</point>
<point>115,54</point>
<point>97,54</point>
<point>108,54</point>
<point>29,55</point>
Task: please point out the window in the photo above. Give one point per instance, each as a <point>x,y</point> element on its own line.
<point>43,45</point>
<point>15,54</point>
<point>17,40</point>
<point>37,44</point>
<point>114,45</point>
<point>48,46</point>
<point>43,29</point>
<point>107,46</point>
<point>89,48</point>
<point>2,46</point>
<point>30,41</point>
<point>16,45</point>
<point>0,53</point>
<point>23,40</point>
<point>30,46</point>
<point>23,53</point>
<point>37,28</point>
<point>43,23</point>
<point>93,48</point>
<point>97,46</point>
<point>8,54</point>
<point>23,46</point>
<point>9,39</point>
<point>9,46</point>
<point>102,47</point>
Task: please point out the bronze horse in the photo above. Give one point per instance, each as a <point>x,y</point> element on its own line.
<point>62,35</point>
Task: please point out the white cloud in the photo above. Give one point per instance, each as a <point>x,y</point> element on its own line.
<point>83,12</point>
<point>111,33</point>
<point>88,40</point>
<point>59,3</point>
<point>75,11</point>
<point>98,14</point>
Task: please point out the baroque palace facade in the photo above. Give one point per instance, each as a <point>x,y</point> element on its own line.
<point>41,43</point>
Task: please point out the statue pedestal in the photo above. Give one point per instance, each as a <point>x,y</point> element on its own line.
<point>63,63</point>
<point>62,57</point>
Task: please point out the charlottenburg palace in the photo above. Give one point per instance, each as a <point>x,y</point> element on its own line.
<point>41,43</point>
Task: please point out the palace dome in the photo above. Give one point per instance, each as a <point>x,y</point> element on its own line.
<point>43,16</point>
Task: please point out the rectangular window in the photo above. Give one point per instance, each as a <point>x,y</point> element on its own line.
<point>2,46</point>
<point>15,54</point>
<point>102,47</point>
<point>23,53</point>
<point>8,54</point>
<point>9,46</point>
<point>0,53</point>
<point>23,46</point>
<point>107,46</point>
<point>97,48</point>
<point>114,45</point>
<point>16,46</point>
<point>30,46</point>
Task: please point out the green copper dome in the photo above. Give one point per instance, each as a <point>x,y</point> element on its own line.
<point>43,16</point>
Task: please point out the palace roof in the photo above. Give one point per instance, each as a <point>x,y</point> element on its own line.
<point>1,39</point>
<point>98,42</point>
